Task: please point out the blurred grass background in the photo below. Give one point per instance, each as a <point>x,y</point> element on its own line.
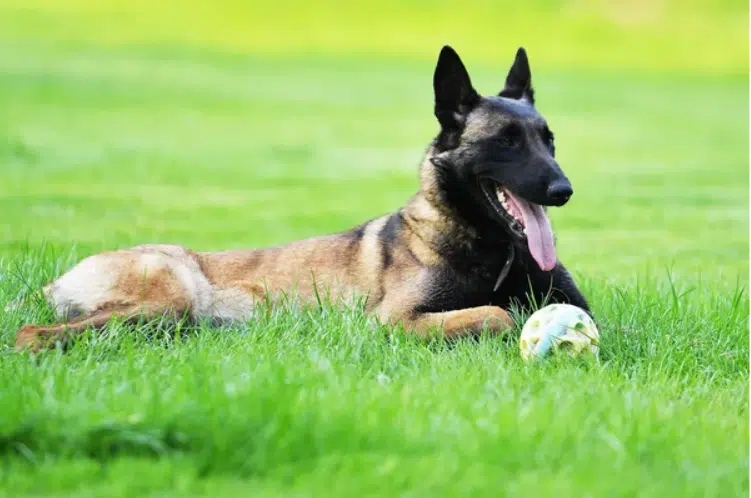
<point>699,35</point>
<point>226,124</point>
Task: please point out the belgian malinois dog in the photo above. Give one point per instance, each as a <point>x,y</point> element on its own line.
<point>474,241</point>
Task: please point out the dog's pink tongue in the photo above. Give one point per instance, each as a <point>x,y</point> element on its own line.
<point>539,233</point>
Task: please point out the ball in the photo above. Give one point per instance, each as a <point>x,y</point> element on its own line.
<point>559,329</point>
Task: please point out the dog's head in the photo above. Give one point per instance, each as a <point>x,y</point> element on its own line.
<point>495,156</point>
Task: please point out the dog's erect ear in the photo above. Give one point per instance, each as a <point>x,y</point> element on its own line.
<point>519,79</point>
<point>454,95</point>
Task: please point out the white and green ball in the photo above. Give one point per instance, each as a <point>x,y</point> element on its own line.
<point>556,329</point>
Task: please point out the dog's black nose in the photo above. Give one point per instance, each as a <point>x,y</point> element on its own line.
<point>559,192</point>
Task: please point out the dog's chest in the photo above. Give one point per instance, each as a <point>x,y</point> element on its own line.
<point>449,289</point>
<point>468,286</point>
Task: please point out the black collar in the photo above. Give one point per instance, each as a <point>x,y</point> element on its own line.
<point>506,268</point>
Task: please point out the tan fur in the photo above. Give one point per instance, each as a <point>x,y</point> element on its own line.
<point>148,281</point>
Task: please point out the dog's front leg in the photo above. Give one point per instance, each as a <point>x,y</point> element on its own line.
<point>461,323</point>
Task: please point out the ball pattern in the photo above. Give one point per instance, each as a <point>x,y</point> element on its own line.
<point>559,328</point>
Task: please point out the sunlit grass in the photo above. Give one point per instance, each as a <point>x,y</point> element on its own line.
<point>302,397</point>
<point>665,35</point>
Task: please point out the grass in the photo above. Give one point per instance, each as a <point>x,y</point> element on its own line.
<point>317,402</point>
<point>110,142</point>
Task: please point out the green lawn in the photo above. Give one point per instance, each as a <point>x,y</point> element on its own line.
<point>114,143</point>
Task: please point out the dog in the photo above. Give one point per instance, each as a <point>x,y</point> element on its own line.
<point>474,241</point>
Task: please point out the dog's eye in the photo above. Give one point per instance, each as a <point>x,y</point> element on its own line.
<point>507,141</point>
<point>548,137</point>
<point>511,137</point>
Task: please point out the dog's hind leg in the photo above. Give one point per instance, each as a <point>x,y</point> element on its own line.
<point>37,337</point>
<point>144,282</point>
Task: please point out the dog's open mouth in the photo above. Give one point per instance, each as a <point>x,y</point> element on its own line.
<point>526,220</point>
